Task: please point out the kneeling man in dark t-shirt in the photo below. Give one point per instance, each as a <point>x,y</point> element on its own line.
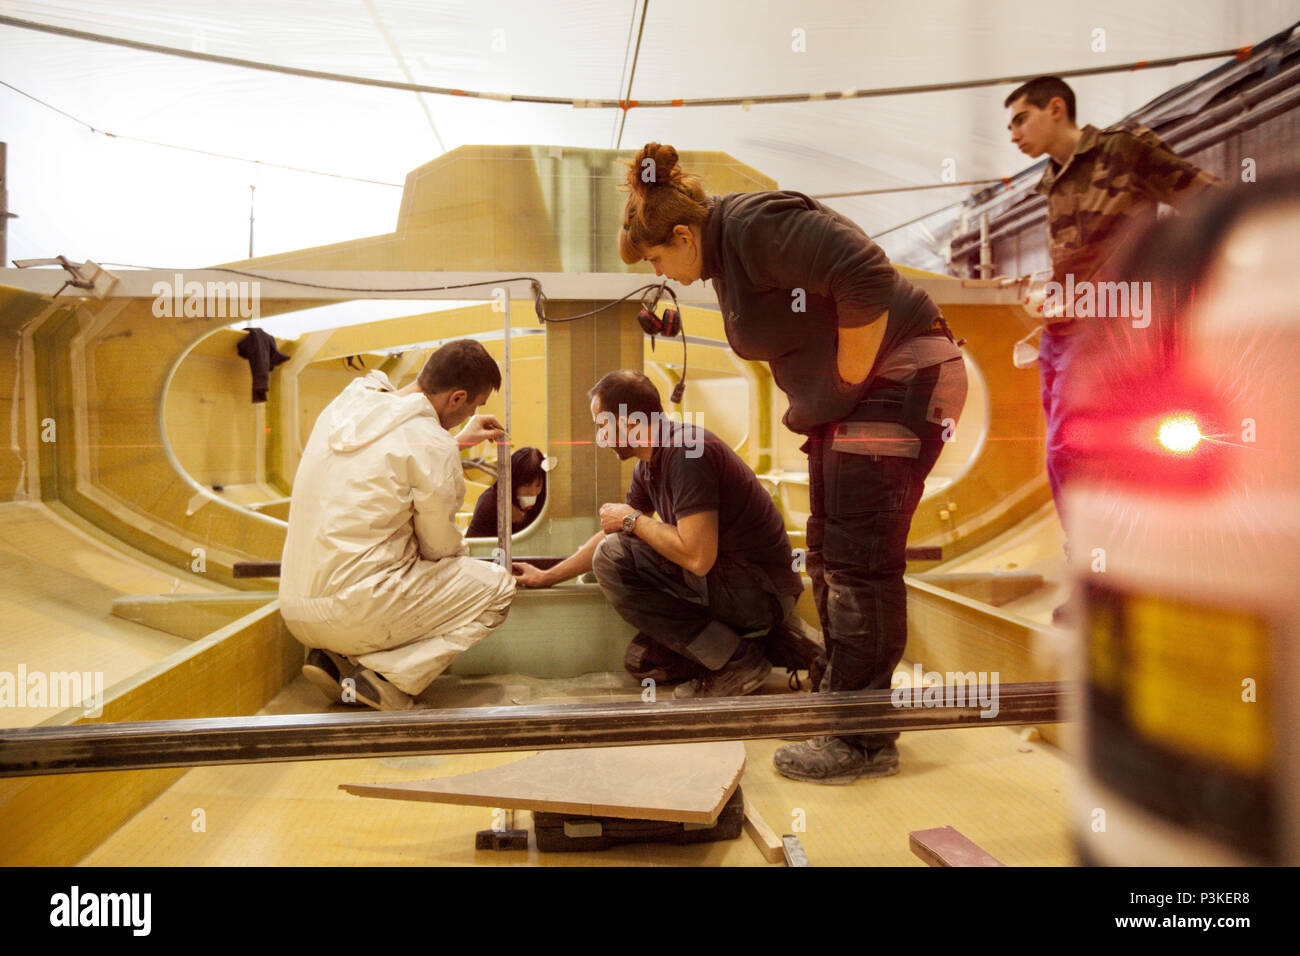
<point>708,578</point>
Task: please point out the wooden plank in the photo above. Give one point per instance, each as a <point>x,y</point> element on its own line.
<point>256,569</point>
<point>681,783</point>
<point>944,846</point>
<point>764,837</point>
<point>232,740</point>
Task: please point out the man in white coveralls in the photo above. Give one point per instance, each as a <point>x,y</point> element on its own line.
<point>375,575</point>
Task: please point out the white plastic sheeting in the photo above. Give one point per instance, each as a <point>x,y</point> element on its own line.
<point>117,200</point>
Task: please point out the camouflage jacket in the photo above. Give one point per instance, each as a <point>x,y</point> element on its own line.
<point>1112,182</point>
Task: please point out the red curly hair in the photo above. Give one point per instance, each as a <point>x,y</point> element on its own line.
<point>662,197</point>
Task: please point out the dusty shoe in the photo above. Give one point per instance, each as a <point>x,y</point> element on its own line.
<point>735,680</point>
<point>834,760</point>
<point>325,669</point>
<point>371,689</point>
<point>646,657</point>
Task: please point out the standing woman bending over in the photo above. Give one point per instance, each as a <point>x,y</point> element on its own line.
<point>875,383</point>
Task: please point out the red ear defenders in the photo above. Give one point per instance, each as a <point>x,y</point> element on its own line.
<point>669,324</point>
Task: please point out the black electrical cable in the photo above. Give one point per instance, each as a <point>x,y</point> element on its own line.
<point>605,308</point>
<point>539,299</point>
<point>344,288</point>
<point>679,390</point>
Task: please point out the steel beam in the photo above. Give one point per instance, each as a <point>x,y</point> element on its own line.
<point>271,569</point>
<point>239,740</point>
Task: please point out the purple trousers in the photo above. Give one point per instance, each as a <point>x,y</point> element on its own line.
<point>1056,352</point>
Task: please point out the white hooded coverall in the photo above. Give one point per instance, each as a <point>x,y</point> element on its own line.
<point>373,565</point>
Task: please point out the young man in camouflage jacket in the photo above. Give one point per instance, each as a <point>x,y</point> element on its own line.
<point>1101,186</point>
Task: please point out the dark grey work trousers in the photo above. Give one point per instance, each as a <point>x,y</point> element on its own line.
<point>700,618</point>
<point>861,512</point>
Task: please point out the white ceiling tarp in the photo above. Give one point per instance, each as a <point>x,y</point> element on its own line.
<point>87,195</point>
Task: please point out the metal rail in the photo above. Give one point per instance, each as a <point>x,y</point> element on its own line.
<point>240,740</point>
<point>271,569</point>
<point>505,478</point>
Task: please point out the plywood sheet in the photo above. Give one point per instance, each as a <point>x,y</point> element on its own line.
<point>687,783</point>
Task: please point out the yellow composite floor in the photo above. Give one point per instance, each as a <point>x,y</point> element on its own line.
<point>1006,794</point>
<point>57,585</point>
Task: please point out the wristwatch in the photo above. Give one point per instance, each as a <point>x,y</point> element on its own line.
<point>629,521</point>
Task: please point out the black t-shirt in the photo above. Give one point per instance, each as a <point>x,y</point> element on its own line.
<point>694,470</point>
<point>789,273</point>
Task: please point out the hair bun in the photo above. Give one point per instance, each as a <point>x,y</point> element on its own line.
<point>655,165</point>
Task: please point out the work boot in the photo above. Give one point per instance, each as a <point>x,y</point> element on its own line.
<point>737,678</point>
<point>370,688</point>
<point>646,657</point>
<point>830,759</point>
<point>325,669</point>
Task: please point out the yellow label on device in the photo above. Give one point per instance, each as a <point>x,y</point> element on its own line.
<point>1104,646</point>
<point>1196,680</point>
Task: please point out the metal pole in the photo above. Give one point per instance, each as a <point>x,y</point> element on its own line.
<point>4,209</point>
<point>986,248</point>
<point>36,751</point>
<point>505,493</point>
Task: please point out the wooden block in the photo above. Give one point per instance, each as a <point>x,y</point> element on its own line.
<point>256,569</point>
<point>557,832</point>
<point>684,783</point>
<point>792,851</point>
<point>764,837</point>
<point>944,846</point>
<point>501,840</point>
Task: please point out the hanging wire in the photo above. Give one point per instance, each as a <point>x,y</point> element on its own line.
<point>1240,53</point>
<point>191,149</point>
<point>636,54</point>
